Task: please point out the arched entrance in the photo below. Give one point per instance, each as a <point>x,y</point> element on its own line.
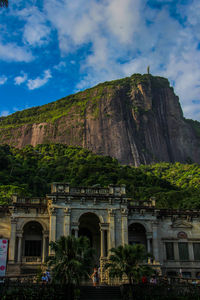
<point>89,226</point>
<point>32,241</point>
<point>137,234</point>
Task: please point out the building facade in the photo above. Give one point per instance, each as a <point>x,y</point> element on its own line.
<point>109,219</point>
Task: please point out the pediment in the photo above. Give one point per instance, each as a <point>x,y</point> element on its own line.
<point>181,224</point>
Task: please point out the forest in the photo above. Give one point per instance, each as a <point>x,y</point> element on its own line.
<point>31,170</point>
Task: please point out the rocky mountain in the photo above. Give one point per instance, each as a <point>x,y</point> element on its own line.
<point>137,120</point>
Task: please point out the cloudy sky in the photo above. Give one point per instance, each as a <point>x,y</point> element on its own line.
<point>53,48</point>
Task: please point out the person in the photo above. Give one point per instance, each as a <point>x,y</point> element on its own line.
<point>95,277</point>
<point>44,278</point>
<point>144,279</point>
<point>48,276</point>
<point>153,280</point>
<point>99,272</point>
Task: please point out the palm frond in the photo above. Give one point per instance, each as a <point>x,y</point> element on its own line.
<point>3,3</point>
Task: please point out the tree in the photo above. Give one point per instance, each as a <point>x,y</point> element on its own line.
<point>72,260</point>
<point>128,260</point>
<point>3,3</point>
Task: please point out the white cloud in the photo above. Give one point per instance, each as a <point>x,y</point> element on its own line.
<point>4,113</point>
<point>3,79</point>
<point>113,39</point>
<point>36,31</point>
<point>20,79</point>
<point>13,52</point>
<point>60,66</point>
<point>39,81</point>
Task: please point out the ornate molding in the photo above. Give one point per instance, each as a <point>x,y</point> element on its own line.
<point>124,212</point>
<point>13,220</point>
<point>181,224</point>
<point>67,211</point>
<point>111,212</point>
<point>52,211</point>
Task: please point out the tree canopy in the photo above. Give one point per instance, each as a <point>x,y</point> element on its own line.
<point>72,260</point>
<point>128,260</point>
<point>30,171</point>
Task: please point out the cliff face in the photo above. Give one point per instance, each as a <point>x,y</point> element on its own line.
<point>137,120</point>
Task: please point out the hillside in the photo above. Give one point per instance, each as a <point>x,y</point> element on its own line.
<point>137,120</point>
<point>29,172</point>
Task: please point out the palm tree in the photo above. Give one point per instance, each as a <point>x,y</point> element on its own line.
<point>128,260</point>
<point>3,3</point>
<point>72,260</point>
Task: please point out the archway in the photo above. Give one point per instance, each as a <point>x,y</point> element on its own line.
<point>32,240</point>
<point>137,234</point>
<point>89,226</point>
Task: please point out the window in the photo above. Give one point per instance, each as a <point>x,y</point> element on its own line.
<point>183,251</point>
<point>32,248</point>
<point>169,250</point>
<point>172,274</point>
<point>186,274</point>
<point>196,248</point>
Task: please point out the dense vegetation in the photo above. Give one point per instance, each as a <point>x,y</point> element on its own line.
<point>77,103</point>
<point>29,172</point>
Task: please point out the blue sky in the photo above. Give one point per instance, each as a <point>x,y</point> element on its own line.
<point>53,48</point>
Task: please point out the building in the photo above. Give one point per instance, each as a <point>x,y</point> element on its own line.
<point>108,218</point>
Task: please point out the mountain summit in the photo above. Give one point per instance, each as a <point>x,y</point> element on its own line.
<point>137,120</point>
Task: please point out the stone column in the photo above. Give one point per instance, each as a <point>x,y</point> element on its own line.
<point>102,243</point>
<point>44,254</point>
<point>176,251</point>
<point>52,227</point>
<point>149,237</point>
<point>124,215</point>
<point>155,242</point>
<point>76,232</point>
<point>19,252</point>
<point>67,219</point>
<point>191,251</point>
<point>12,243</point>
<point>111,229</point>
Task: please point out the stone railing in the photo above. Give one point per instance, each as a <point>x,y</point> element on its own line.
<point>39,201</point>
<point>64,188</point>
<point>31,259</point>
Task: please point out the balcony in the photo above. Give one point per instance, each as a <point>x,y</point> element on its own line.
<point>32,259</point>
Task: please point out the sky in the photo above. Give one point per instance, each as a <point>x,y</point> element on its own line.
<point>52,48</point>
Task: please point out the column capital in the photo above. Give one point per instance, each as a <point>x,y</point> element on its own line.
<point>13,220</point>
<point>104,226</point>
<point>111,212</point>
<point>155,223</point>
<point>67,211</point>
<point>149,235</point>
<point>45,233</point>
<point>124,212</point>
<point>52,211</point>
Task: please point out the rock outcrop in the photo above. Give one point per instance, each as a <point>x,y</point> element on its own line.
<point>137,120</point>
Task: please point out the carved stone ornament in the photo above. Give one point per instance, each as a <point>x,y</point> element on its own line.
<point>111,212</point>
<point>67,211</point>
<point>182,235</point>
<point>124,211</point>
<point>13,220</point>
<point>52,211</point>
<point>181,224</point>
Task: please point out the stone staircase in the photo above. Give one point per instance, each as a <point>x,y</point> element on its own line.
<point>100,293</point>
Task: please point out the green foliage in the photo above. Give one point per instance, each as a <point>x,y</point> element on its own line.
<point>3,3</point>
<point>30,170</point>
<point>128,260</point>
<point>72,260</point>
